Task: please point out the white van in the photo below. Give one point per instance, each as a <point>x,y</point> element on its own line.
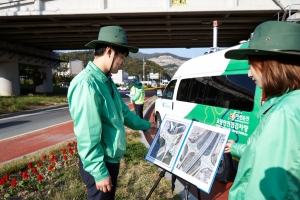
<point>217,91</point>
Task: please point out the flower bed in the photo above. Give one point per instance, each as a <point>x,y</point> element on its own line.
<point>37,176</point>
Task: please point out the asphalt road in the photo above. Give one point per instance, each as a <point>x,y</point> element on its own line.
<point>15,124</point>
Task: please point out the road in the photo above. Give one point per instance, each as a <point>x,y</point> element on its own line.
<point>16,147</point>
<point>15,124</point>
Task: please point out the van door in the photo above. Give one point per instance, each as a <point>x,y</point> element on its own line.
<point>167,102</point>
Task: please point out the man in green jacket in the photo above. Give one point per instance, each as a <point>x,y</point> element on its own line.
<point>99,114</point>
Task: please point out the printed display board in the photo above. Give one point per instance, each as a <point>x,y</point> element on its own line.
<point>189,149</point>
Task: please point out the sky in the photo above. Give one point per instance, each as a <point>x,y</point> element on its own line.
<point>183,52</point>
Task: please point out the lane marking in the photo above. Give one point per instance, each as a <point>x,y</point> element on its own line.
<point>44,127</point>
<point>37,113</point>
<point>36,130</point>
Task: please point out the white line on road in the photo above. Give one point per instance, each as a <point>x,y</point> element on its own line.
<point>35,130</point>
<point>35,113</point>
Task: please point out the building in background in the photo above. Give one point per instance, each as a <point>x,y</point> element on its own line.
<point>73,68</point>
<point>120,78</point>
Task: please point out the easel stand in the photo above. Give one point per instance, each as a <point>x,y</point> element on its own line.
<point>186,186</point>
<point>161,175</point>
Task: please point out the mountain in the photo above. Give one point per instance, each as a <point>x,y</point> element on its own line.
<point>140,55</point>
<point>166,60</point>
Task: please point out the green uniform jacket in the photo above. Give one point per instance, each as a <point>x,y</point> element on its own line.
<point>269,167</point>
<point>99,120</point>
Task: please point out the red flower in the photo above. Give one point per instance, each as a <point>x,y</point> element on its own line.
<point>13,183</point>
<point>64,151</point>
<point>40,164</point>
<point>44,157</point>
<point>71,151</point>
<point>52,159</point>
<point>50,168</point>
<point>65,157</point>
<point>34,170</point>
<point>25,175</point>
<point>40,177</point>
<point>2,182</point>
<point>69,144</point>
<point>4,179</point>
<point>74,143</point>
<point>29,165</point>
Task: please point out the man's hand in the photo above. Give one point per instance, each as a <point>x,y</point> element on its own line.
<point>152,129</point>
<point>104,185</point>
<point>228,146</point>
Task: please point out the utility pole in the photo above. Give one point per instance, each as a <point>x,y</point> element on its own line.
<point>143,70</point>
<point>215,36</point>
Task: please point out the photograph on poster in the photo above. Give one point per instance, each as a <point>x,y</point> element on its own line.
<point>189,149</point>
<point>200,155</point>
<point>167,141</point>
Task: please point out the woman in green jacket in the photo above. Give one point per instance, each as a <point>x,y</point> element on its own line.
<point>269,166</point>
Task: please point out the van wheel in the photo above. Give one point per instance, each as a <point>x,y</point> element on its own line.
<point>226,171</point>
<point>158,120</point>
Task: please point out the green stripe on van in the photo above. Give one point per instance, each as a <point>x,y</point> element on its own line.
<point>238,64</point>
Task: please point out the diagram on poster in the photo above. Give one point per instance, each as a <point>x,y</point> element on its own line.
<point>189,149</point>
<point>165,146</point>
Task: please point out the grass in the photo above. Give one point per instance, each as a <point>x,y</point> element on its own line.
<point>136,177</point>
<point>15,104</point>
<point>135,181</point>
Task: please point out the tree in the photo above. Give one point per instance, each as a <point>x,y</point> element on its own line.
<point>38,77</point>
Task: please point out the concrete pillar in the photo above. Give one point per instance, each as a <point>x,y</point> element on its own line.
<point>9,79</point>
<point>47,85</point>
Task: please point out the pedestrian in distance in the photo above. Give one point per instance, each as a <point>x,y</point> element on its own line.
<point>138,98</point>
<point>269,163</point>
<point>132,90</point>
<point>99,114</point>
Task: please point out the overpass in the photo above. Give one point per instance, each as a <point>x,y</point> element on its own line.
<point>47,25</point>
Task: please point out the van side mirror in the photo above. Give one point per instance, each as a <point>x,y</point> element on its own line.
<point>159,93</point>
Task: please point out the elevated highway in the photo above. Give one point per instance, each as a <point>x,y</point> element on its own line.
<point>69,24</point>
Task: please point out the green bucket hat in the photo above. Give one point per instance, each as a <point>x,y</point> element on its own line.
<point>112,35</point>
<point>272,38</point>
<point>138,85</point>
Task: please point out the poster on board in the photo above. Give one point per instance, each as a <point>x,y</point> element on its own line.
<point>189,149</point>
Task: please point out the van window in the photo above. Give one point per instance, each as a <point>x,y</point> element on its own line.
<point>183,90</point>
<point>230,91</point>
<point>169,91</point>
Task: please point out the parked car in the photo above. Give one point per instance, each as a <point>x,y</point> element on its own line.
<point>64,85</point>
<point>123,88</point>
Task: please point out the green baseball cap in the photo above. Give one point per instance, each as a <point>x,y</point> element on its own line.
<point>271,38</point>
<point>112,35</point>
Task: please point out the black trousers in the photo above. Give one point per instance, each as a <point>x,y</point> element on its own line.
<point>89,181</point>
<point>139,109</point>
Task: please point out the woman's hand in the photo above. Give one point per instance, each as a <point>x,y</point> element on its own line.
<point>228,146</point>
